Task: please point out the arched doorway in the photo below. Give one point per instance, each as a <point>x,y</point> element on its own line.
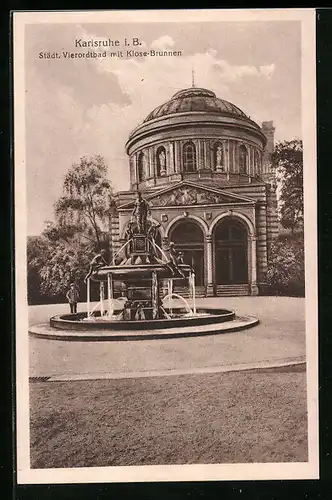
<point>188,238</point>
<point>231,253</point>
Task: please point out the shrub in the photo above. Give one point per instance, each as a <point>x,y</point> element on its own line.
<point>285,274</point>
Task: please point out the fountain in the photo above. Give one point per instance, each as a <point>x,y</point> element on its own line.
<point>149,305</point>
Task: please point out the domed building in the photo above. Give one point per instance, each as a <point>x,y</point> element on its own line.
<point>204,167</point>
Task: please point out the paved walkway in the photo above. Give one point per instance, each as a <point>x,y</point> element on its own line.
<point>278,339</point>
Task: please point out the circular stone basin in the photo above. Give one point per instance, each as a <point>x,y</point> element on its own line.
<point>180,318</point>
<point>136,271</point>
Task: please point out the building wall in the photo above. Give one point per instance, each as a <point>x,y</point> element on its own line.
<point>204,159</point>
<point>202,129</point>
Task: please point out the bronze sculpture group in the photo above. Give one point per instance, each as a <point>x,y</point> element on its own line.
<point>141,226</point>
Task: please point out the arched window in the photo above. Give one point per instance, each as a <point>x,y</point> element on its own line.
<point>189,157</point>
<point>161,161</point>
<point>218,156</point>
<point>141,167</point>
<point>243,159</point>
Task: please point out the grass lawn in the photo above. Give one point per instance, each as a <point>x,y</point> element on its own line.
<point>209,418</point>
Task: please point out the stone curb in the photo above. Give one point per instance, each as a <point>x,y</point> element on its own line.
<point>45,331</point>
<point>259,365</point>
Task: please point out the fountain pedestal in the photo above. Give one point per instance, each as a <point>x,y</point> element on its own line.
<point>143,294</point>
<point>140,249</point>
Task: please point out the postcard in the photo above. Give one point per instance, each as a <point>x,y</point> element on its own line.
<point>165,245</point>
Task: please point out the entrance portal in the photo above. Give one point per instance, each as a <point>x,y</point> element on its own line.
<point>188,238</point>
<point>231,253</point>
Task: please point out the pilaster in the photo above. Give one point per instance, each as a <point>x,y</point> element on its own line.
<point>209,265</point>
<point>234,157</point>
<point>169,158</point>
<point>173,155</point>
<point>227,156</point>
<point>135,176</point>
<point>178,165</point>
<point>207,158</point>
<point>253,265</point>
<point>150,163</point>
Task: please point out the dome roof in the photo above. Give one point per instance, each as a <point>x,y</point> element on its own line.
<point>196,100</point>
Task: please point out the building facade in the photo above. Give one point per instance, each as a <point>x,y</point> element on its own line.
<point>204,167</point>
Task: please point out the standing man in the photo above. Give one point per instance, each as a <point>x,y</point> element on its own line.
<point>73,296</point>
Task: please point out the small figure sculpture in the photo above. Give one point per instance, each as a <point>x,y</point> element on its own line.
<point>162,162</point>
<point>141,212</point>
<point>152,236</point>
<point>129,231</point>
<point>127,311</point>
<point>153,231</point>
<point>173,263</point>
<point>219,158</point>
<point>128,236</point>
<point>139,312</point>
<point>180,258</point>
<point>97,262</point>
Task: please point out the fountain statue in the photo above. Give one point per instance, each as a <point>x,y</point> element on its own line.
<point>141,212</point>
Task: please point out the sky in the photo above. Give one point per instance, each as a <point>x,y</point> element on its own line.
<point>78,107</point>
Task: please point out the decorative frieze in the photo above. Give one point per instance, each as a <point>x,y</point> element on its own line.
<point>187,195</point>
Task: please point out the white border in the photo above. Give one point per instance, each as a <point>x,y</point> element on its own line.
<point>226,472</point>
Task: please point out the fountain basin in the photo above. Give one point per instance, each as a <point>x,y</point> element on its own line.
<point>180,318</point>
<point>100,334</point>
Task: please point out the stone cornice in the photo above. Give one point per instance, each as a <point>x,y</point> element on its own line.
<point>153,141</point>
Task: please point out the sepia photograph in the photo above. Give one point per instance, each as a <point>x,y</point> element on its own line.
<point>165,239</point>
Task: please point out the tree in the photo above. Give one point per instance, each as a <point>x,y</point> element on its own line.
<point>287,158</point>
<point>53,264</point>
<point>67,262</point>
<point>61,254</point>
<point>38,251</point>
<point>86,202</point>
